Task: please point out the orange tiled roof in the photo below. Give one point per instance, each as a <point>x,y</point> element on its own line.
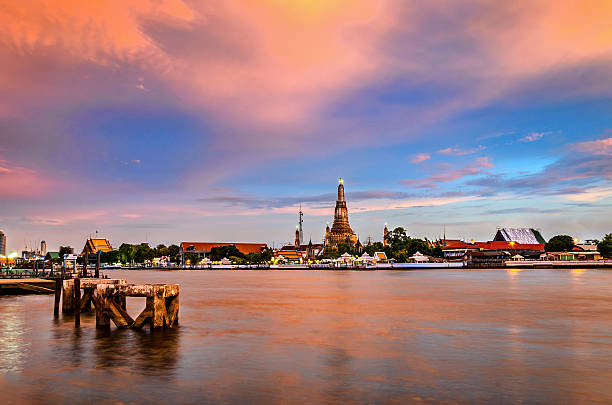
<point>94,245</point>
<point>290,255</point>
<point>245,248</point>
<point>380,255</point>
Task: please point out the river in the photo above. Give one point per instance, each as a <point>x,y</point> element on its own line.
<point>323,337</point>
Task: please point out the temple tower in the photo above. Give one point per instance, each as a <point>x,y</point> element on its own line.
<point>341,230</point>
<point>386,236</point>
<point>297,238</point>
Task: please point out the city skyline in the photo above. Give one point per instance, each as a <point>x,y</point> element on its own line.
<point>169,121</point>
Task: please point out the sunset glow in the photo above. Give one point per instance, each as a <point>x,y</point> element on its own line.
<point>180,120</point>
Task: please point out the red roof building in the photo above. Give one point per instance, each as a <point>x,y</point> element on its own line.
<point>205,247</point>
<point>495,245</point>
<point>202,249</point>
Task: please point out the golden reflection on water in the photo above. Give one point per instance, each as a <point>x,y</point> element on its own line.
<point>13,334</point>
<point>533,336</point>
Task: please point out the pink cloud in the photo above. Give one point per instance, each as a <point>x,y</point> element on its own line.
<point>19,181</point>
<point>421,157</point>
<point>534,136</point>
<point>451,174</point>
<point>460,152</point>
<point>598,147</point>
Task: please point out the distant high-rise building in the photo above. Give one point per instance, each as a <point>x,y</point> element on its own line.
<point>43,247</point>
<point>2,243</point>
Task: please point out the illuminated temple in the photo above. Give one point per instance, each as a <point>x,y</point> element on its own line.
<point>340,231</point>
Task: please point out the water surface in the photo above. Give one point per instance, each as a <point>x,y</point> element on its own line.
<point>266,337</point>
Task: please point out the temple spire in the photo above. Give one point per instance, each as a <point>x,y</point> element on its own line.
<point>341,231</point>
<point>340,189</point>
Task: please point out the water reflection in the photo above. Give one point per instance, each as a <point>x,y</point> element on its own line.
<point>13,337</point>
<point>151,353</point>
<point>328,337</point>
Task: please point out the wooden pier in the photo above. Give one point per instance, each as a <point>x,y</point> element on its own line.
<point>162,305</point>
<point>108,297</point>
<point>26,286</point>
<point>88,285</point>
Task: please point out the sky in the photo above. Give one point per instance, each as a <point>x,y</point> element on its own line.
<point>164,121</point>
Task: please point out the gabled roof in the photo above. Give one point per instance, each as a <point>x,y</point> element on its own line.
<point>245,248</point>
<point>380,255</point>
<point>519,235</point>
<point>97,245</point>
<point>585,247</point>
<point>291,255</point>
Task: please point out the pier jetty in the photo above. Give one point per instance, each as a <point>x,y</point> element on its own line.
<point>162,305</point>
<point>108,297</point>
<point>26,286</point>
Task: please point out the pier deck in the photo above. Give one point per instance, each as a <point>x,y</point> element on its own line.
<point>26,286</point>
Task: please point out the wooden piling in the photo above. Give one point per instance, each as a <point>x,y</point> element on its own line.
<point>77,302</point>
<point>68,293</point>
<point>58,294</point>
<point>102,316</point>
<point>85,262</point>
<point>98,264</point>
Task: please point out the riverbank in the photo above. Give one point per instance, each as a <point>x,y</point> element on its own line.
<point>388,266</point>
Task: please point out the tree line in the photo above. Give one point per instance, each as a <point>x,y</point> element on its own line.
<point>400,246</point>
<point>565,243</point>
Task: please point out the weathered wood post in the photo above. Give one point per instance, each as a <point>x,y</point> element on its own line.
<point>159,309</point>
<point>85,261</point>
<point>68,294</point>
<point>102,316</point>
<point>58,294</point>
<point>77,302</point>
<point>98,264</point>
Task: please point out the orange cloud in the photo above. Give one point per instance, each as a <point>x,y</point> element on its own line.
<point>279,64</point>
<point>101,32</point>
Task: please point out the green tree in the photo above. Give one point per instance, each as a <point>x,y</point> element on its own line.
<point>109,257</point>
<point>64,250</point>
<point>253,258</point>
<point>142,253</point>
<point>343,248</point>
<point>373,248</point>
<point>560,243</point>
<point>237,260</point>
<point>605,246</point>
<point>333,253</point>
<point>173,252</point>
<point>161,250</point>
<point>266,255</point>
<point>219,252</point>
<point>193,258</point>
<point>126,253</point>
<point>437,251</point>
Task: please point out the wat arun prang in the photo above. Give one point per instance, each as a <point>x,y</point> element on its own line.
<point>340,231</point>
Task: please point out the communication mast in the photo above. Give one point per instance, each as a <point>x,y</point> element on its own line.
<point>301,223</point>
